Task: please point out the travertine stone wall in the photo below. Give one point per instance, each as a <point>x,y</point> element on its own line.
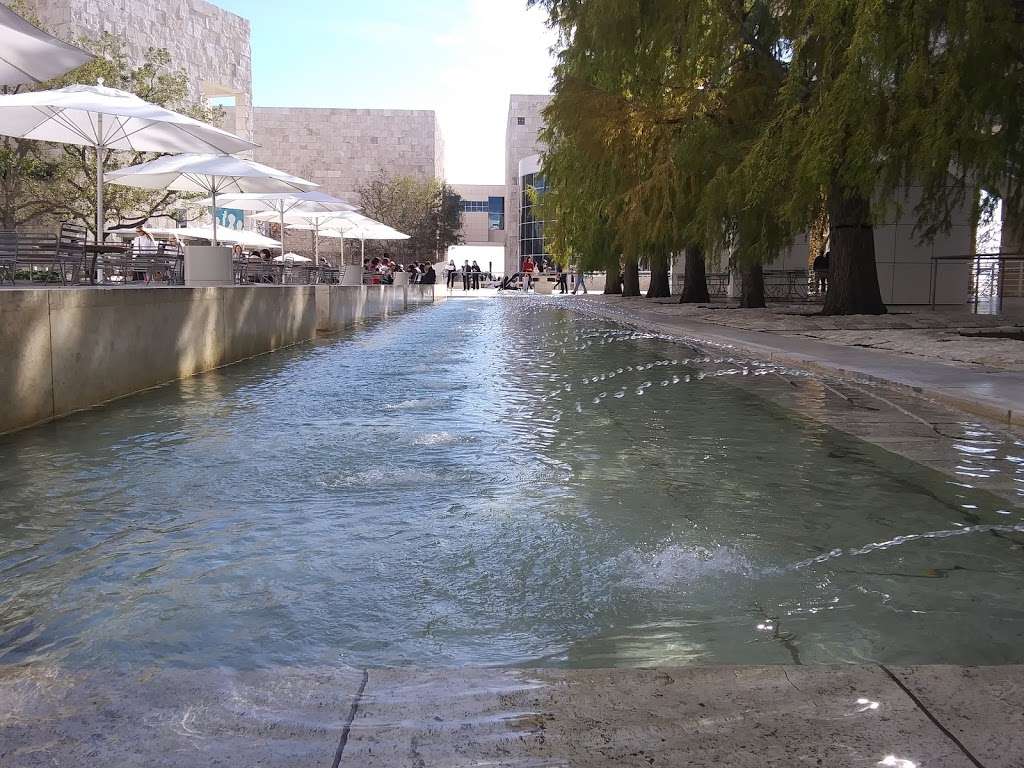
<point>61,350</point>
<point>520,141</point>
<point>210,44</point>
<point>340,149</point>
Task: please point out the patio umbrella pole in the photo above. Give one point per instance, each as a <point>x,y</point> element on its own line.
<point>316,244</point>
<point>100,212</point>
<point>282,231</point>
<point>214,196</point>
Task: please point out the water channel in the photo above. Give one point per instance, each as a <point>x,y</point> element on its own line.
<point>491,483</point>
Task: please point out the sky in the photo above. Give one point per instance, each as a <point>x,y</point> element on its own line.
<point>461,58</point>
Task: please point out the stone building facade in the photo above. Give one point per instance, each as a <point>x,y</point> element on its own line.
<point>525,122</point>
<point>209,44</point>
<point>340,149</point>
<point>483,213</point>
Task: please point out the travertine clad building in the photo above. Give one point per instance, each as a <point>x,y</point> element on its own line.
<point>211,45</point>
<point>340,149</point>
<point>525,123</point>
<point>483,213</point>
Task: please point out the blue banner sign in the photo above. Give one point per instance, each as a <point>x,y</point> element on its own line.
<point>230,218</point>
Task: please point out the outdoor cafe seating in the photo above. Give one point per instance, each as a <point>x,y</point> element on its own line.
<point>40,257</point>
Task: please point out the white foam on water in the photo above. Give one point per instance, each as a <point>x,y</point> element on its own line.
<point>408,405</point>
<point>436,438</point>
<point>675,566</point>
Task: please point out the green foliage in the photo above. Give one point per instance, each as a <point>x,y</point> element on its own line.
<point>731,124</point>
<point>655,103</point>
<point>41,180</point>
<point>426,209</point>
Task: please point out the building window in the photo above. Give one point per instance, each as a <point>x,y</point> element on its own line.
<point>496,212</point>
<point>531,231</point>
<point>520,121</point>
<point>473,206</point>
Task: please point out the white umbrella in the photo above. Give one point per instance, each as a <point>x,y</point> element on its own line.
<point>291,257</point>
<point>354,225</point>
<point>244,237</point>
<point>284,204</point>
<point>213,174</point>
<point>29,55</point>
<point>311,220</point>
<point>108,119</point>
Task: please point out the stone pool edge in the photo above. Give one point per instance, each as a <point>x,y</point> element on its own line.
<point>851,715</point>
<point>1003,414</point>
<point>910,423</point>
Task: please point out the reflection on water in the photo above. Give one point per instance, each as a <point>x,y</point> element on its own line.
<point>495,483</point>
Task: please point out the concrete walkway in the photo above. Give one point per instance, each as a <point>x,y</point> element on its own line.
<point>984,391</point>
<point>856,716</point>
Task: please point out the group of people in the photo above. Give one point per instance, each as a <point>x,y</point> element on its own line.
<point>384,269</point>
<point>470,274</point>
<point>578,278</point>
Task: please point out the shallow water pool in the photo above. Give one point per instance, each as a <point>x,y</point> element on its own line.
<point>490,482</point>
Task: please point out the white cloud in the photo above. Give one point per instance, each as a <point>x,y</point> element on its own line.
<point>498,49</point>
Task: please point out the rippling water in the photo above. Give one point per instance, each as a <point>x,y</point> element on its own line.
<point>493,482</point>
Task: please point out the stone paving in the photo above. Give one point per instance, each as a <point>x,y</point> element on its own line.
<point>941,335</point>
<point>857,716</point>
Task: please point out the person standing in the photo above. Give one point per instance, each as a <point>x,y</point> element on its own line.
<point>528,268</point>
<point>476,275</point>
<point>563,283</point>
<point>465,275</point>
<point>821,268</point>
<point>450,271</point>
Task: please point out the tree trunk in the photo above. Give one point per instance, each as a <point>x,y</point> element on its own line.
<point>631,278</point>
<point>853,277</point>
<point>659,287</point>
<point>613,280</point>
<point>752,286</point>
<point>695,280</point>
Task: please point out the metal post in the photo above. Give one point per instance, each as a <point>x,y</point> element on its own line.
<point>214,196</point>
<point>282,230</point>
<point>316,242</point>
<point>100,212</point>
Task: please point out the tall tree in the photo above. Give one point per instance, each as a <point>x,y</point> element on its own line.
<point>41,180</point>
<point>428,210</point>
<point>882,98</point>
<point>655,103</point>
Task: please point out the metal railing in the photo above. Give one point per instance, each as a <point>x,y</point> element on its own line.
<point>993,277</point>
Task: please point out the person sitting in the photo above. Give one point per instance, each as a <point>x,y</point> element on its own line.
<point>429,277</point>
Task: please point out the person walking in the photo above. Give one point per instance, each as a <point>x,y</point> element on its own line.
<point>578,281</point>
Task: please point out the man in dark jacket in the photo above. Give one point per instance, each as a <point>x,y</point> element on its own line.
<point>429,277</point>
